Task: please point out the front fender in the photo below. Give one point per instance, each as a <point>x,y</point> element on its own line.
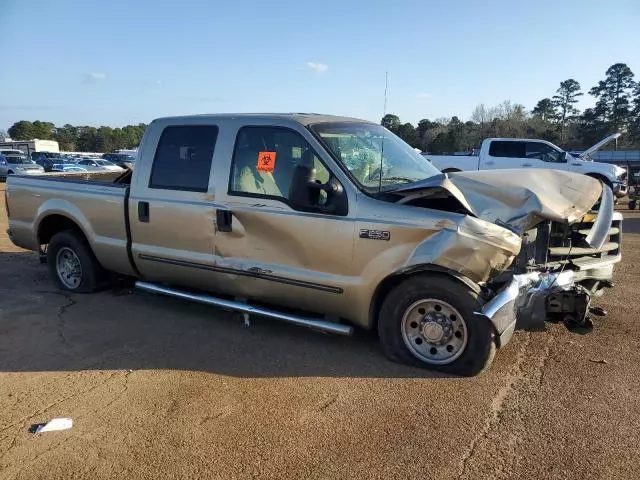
<point>473,249</point>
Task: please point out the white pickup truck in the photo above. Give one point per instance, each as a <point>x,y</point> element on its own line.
<point>499,153</point>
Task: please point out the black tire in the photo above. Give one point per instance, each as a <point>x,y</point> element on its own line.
<point>480,346</point>
<point>92,278</point>
<point>632,205</point>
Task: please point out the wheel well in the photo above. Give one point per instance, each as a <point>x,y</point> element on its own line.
<point>383,289</point>
<point>53,224</point>
<point>600,177</point>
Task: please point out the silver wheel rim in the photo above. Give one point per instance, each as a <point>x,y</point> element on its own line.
<point>68,268</point>
<point>434,331</point>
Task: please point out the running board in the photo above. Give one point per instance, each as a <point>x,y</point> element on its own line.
<point>322,325</point>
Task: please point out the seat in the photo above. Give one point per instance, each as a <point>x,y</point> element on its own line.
<point>248,179</point>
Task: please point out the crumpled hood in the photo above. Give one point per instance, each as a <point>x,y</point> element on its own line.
<point>517,199</point>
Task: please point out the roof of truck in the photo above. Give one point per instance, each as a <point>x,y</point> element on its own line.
<point>302,118</point>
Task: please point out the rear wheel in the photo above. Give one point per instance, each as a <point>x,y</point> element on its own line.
<point>429,321</point>
<point>72,264</point>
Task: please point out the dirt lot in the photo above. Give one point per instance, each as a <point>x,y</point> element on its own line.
<point>162,389</point>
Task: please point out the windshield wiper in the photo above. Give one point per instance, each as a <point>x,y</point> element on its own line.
<point>398,179</point>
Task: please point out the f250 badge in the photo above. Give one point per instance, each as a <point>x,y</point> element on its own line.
<point>375,234</point>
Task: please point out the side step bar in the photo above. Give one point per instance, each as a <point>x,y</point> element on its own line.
<point>322,325</point>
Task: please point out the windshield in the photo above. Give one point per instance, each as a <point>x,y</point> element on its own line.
<point>375,157</point>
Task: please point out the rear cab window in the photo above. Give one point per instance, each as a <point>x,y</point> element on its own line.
<point>183,158</point>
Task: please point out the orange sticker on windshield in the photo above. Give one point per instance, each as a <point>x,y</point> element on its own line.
<point>266,161</point>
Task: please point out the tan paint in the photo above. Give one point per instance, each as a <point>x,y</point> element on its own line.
<point>316,252</point>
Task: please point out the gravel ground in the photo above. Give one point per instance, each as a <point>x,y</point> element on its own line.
<point>162,389</point>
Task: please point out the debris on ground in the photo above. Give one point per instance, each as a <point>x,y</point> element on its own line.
<point>52,425</point>
<point>599,361</point>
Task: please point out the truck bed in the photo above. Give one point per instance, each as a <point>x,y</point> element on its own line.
<point>89,202</point>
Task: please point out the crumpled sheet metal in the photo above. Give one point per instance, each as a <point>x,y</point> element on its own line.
<point>471,249</point>
<point>517,199</point>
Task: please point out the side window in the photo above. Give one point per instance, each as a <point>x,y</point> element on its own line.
<point>183,158</point>
<point>507,149</point>
<point>543,152</point>
<point>265,158</point>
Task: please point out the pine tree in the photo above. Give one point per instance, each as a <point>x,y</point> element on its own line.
<point>613,96</point>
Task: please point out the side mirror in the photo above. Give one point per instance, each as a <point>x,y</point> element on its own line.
<point>308,194</point>
<point>563,157</point>
<point>3,162</point>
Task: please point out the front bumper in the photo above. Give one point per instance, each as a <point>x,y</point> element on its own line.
<point>528,298</point>
<point>520,301</point>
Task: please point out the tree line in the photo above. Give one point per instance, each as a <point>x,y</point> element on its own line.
<point>80,138</point>
<point>556,119</point>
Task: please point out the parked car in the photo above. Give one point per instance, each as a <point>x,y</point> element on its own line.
<point>47,159</point>
<point>121,159</point>
<point>273,217</point>
<point>100,163</point>
<point>501,153</point>
<point>17,162</point>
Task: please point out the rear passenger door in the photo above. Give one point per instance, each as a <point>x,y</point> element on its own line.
<point>172,206</point>
<point>504,154</point>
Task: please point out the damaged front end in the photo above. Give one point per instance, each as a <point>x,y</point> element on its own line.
<point>559,269</point>
<point>567,250</point>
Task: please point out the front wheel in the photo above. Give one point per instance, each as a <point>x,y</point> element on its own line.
<point>429,321</point>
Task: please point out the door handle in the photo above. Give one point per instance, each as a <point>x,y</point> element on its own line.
<point>143,211</point>
<point>527,165</point>
<point>223,220</point>
<point>488,163</point>
<point>576,164</point>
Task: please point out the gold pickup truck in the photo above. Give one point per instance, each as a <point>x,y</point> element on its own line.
<point>330,223</point>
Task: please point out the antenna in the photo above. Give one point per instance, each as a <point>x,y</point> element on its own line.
<point>384,114</point>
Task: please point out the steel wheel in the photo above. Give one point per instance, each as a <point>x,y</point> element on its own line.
<point>434,331</point>
<point>68,268</point>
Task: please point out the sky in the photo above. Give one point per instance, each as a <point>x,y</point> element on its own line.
<point>124,62</point>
